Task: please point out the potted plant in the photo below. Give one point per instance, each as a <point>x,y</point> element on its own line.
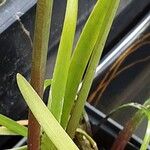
<point>63,71</point>
<point>16,48</point>
<point>59,102</point>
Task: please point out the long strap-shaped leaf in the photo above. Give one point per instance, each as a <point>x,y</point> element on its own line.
<point>47,83</point>
<point>59,80</point>
<point>5,131</point>
<point>109,8</point>
<point>95,25</point>
<point>20,148</point>
<point>45,117</point>
<point>13,125</point>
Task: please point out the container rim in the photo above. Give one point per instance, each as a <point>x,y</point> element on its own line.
<point>12,9</point>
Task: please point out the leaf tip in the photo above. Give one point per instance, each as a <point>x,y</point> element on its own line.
<point>19,79</point>
<point>18,76</point>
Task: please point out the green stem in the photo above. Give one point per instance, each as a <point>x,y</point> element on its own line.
<point>39,57</point>
<point>87,81</point>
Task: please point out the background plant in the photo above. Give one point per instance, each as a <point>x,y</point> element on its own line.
<point>125,135</point>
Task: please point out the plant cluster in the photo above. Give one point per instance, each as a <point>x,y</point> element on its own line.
<point>53,126</point>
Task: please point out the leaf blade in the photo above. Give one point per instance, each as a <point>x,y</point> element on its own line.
<point>83,52</point>
<point>13,125</point>
<point>44,116</point>
<point>20,148</point>
<point>5,131</point>
<point>56,98</point>
<point>110,11</point>
<point>47,83</point>
<point>146,140</point>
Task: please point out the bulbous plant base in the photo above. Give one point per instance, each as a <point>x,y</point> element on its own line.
<point>84,143</point>
<point>83,136</point>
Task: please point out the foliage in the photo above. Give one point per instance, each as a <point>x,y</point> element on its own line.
<point>143,111</point>
<point>74,67</point>
<point>44,116</point>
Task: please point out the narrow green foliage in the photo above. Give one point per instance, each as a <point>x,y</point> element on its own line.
<point>68,73</point>
<point>46,143</point>
<point>13,125</point>
<point>5,131</point>
<point>109,9</point>
<point>135,105</point>
<point>55,102</point>
<point>58,85</point>
<point>20,148</point>
<point>47,83</point>
<point>94,26</point>
<point>45,118</point>
<point>146,140</point>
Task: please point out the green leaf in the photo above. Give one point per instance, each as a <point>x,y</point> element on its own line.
<point>59,80</point>
<point>47,83</point>
<point>95,26</point>
<point>5,131</point>
<point>45,118</point>
<point>20,148</point>
<point>109,9</point>
<point>144,109</point>
<point>146,140</point>
<point>13,125</point>
<point>135,105</point>
<point>46,143</point>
